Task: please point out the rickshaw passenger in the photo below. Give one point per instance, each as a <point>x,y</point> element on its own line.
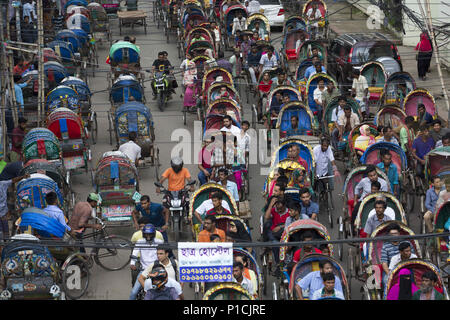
<point>330,93</point>
<point>281,80</point>
<point>391,171</point>
<point>347,122</point>
<point>146,255</point>
<point>317,94</point>
<point>389,249</point>
<point>156,214</point>
<point>294,214</point>
<point>217,203</point>
<point>268,60</point>
<point>308,208</point>
<point>238,277</point>
<point>317,67</point>
<point>388,135</point>
<point>364,187</point>
<point>131,149</point>
<point>313,15</point>
<point>325,162</point>
<point>295,130</point>
<point>405,253</point>
<point>54,211</point>
<point>300,180</point>
<point>427,289</point>
<point>307,248</point>
<point>388,212</point>
<point>277,173</point>
<point>404,289</point>
<point>360,90</point>
<point>373,222</point>
<point>253,58</point>
<point>407,133</point>
<point>364,140</point>
<point>294,155</point>
<point>328,289</point>
<point>437,132</point>
<point>423,117</point>
<point>248,273</point>
<point>431,199</point>
<point>375,187</point>
<point>228,126</point>
<point>239,23</point>
<point>421,146</point>
<point>444,142</point>
<point>274,221</point>
<point>209,228</point>
<point>313,281</point>
<point>204,162</point>
<point>335,115</point>
<point>231,186</point>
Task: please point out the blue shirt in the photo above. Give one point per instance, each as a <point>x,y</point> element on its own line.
<point>232,187</point>
<point>19,95</point>
<point>431,199</point>
<point>421,147</point>
<point>156,216</point>
<point>56,213</point>
<point>309,210</point>
<point>392,174</point>
<point>312,69</point>
<point>313,282</point>
<point>253,59</point>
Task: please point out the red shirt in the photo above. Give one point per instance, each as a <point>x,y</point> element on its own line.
<point>265,87</point>
<point>17,137</point>
<point>204,157</point>
<point>213,212</point>
<point>303,163</point>
<point>278,218</point>
<point>298,252</point>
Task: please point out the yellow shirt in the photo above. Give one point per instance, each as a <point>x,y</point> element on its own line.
<point>138,235</point>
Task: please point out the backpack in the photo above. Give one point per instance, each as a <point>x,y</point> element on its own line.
<point>175,267</point>
<point>155,294</point>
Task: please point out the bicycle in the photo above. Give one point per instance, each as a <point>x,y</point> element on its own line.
<point>326,196</point>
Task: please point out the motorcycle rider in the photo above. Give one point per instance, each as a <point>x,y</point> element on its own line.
<point>162,65</point>
<point>147,255</point>
<point>176,176</point>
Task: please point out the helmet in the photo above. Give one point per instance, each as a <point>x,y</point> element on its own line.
<point>93,196</point>
<point>177,164</point>
<point>161,276</point>
<point>149,229</point>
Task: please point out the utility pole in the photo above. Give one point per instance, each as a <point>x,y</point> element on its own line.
<point>429,26</point>
<point>41,94</point>
<point>4,81</point>
<point>16,6</point>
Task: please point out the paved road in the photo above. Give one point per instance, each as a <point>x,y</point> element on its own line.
<point>117,285</point>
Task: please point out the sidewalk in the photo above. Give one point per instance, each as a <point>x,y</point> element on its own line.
<point>343,21</point>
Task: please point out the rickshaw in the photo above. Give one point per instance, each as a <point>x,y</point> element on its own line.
<point>214,92</point>
<point>87,114</point>
<point>41,143</point>
<point>323,22</point>
<point>294,33</point>
<point>227,23</point>
<point>70,59</point>
<point>231,108</point>
<point>55,72</point>
<point>68,35</point>
<point>407,191</point>
<point>293,233</point>
<point>200,64</point>
<point>306,153</point>
<point>135,116</point>
<point>416,97</point>
<point>205,33</point>
<point>264,24</point>
<point>358,256</point>
<point>99,22</point>
<point>210,76</point>
<point>289,166</point>
<point>71,3</point>
<point>192,12</point>
<point>172,23</point>
<point>346,229</point>
<point>306,125</point>
<point>62,97</point>
<point>227,291</point>
<point>53,170</point>
<point>374,256</point>
<point>294,95</point>
<point>124,59</point>
<point>417,267</point>
<point>438,163</point>
<point>300,72</point>
<point>204,193</point>
<point>353,135</point>
<point>31,192</point>
<point>125,89</point>
<point>69,129</point>
<point>376,77</point>
<point>79,20</point>
<point>309,264</point>
<point>258,110</point>
<point>116,181</point>
<point>390,115</point>
<point>437,248</point>
<point>198,48</point>
<point>397,87</point>
<point>328,125</point>
<point>305,50</point>
<point>253,266</point>
<point>308,92</point>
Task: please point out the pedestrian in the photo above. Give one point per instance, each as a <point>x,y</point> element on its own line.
<point>424,52</point>
<point>18,135</point>
<point>18,91</point>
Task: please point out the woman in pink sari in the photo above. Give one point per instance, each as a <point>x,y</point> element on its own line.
<point>404,289</point>
<point>190,95</point>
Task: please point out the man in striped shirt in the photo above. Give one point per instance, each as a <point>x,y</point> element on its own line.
<point>389,250</point>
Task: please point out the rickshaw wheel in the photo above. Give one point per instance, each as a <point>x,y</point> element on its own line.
<point>83,270</point>
<point>94,128</point>
<point>123,257</point>
<point>340,236</point>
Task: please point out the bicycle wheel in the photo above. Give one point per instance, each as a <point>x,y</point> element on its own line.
<point>112,257</point>
<point>75,278</point>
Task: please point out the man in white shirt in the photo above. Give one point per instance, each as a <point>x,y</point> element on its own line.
<point>318,92</point>
<point>268,61</point>
<point>314,15</point>
<point>239,23</point>
<point>229,127</point>
<point>29,10</point>
<point>360,90</point>
<point>131,149</point>
<point>324,160</point>
<point>404,254</point>
<point>238,277</point>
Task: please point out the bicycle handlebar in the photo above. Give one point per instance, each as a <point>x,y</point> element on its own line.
<point>325,177</point>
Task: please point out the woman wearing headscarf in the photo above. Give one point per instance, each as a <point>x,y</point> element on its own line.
<point>404,288</point>
<point>300,180</point>
<point>425,51</point>
<point>189,81</point>
<point>278,172</point>
<point>237,232</point>
<point>364,140</point>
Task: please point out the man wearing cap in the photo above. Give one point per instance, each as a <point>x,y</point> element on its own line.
<point>82,212</point>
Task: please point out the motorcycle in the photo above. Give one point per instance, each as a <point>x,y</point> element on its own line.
<point>179,206</point>
<point>161,85</point>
